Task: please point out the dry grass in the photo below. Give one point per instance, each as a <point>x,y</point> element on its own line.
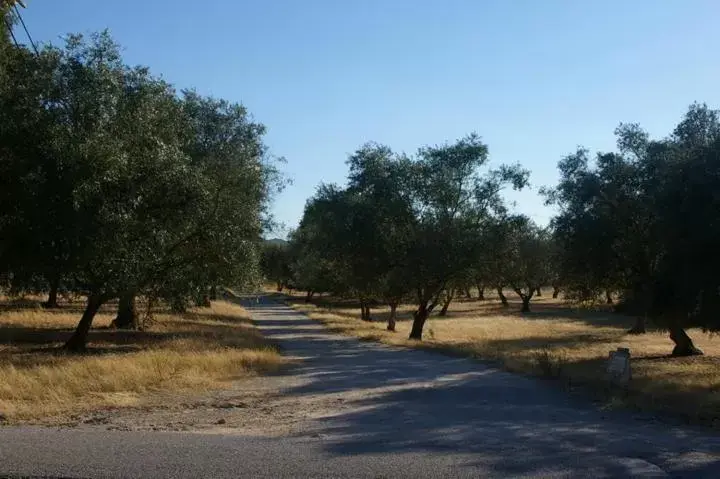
<point>556,340</point>
<point>200,350</point>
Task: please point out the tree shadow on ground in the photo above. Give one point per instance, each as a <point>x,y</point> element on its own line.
<point>44,341</point>
<point>509,435</point>
<point>597,317</point>
<point>541,308</point>
<point>570,341</point>
<point>40,344</point>
<point>76,307</point>
<point>400,400</point>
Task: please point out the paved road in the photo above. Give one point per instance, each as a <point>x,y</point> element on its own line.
<point>400,413</point>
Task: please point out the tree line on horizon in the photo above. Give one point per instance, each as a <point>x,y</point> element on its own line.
<point>113,185</point>
<point>641,223</point>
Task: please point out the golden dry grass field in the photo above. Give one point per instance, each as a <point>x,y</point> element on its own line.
<point>200,350</point>
<point>557,340</point>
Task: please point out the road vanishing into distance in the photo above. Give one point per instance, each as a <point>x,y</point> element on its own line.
<point>349,408</point>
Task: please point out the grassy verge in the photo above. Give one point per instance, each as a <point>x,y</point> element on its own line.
<point>197,351</point>
<point>558,341</point>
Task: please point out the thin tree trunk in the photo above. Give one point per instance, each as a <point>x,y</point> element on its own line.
<point>279,287</point>
<point>419,318</point>
<point>149,306</point>
<point>127,317</point>
<point>202,298</point>
<point>467,293</point>
<point>52,301</point>
<point>78,341</point>
<point>205,300</point>
<point>525,304</point>
<point>683,344</point>
<point>364,310</point>
<point>608,297</point>
<point>525,298</point>
<point>446,304</point>
<point>502,297</point>
<point>213,293</point>
<point>538,292</point>
<point>481,292</point>
<point>393,316</point>
<point>639,327</point>
<point>556,292</point>
<point>309,296</point>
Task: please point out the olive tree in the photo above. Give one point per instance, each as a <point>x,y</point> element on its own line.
<point>644,221</point>
<point>453,202</point>
<point>115,186</point>
<point>529,261</point>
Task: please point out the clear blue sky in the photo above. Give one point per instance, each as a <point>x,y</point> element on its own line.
<point>534,78</point>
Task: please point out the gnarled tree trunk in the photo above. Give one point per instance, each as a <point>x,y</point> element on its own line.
<point>525,304</point>
<point>52,301</point>
<point>425,307</point>
<point>502,297</point>
<point>78,341</point>
<point>127,317</point>
<point>419,318</point>
<point>683,344</point>
<point>481,292</point>
<point>364,310</point>
<point>393,316</point>
<point>204,300</point>
<point>556,292</point>
<point>446,304</point>
<point>525,298</point>
<point>538,292</point>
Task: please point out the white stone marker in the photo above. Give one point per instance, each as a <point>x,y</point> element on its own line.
<point>618,367</point>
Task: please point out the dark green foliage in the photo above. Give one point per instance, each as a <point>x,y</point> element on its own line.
<point>644,222</point>
<point>528,262</point>
<point>113,185</point>
<point>404,227</point>
<point>275,263</point>
<point>640,223</point>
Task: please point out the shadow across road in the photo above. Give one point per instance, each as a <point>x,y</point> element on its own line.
<point>400,401</point>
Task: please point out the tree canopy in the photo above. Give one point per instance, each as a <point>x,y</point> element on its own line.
<point>406,227</point>
<point>638,223</point>
<point>643,221</point>
<point>113,185</point>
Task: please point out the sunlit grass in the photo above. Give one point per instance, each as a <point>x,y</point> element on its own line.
<point>198,351</point>
<point>558,340</point>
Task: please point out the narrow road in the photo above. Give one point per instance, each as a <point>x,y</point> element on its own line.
<point>361,409</point>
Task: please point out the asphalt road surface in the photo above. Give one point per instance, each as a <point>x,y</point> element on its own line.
<point>400,413</point>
